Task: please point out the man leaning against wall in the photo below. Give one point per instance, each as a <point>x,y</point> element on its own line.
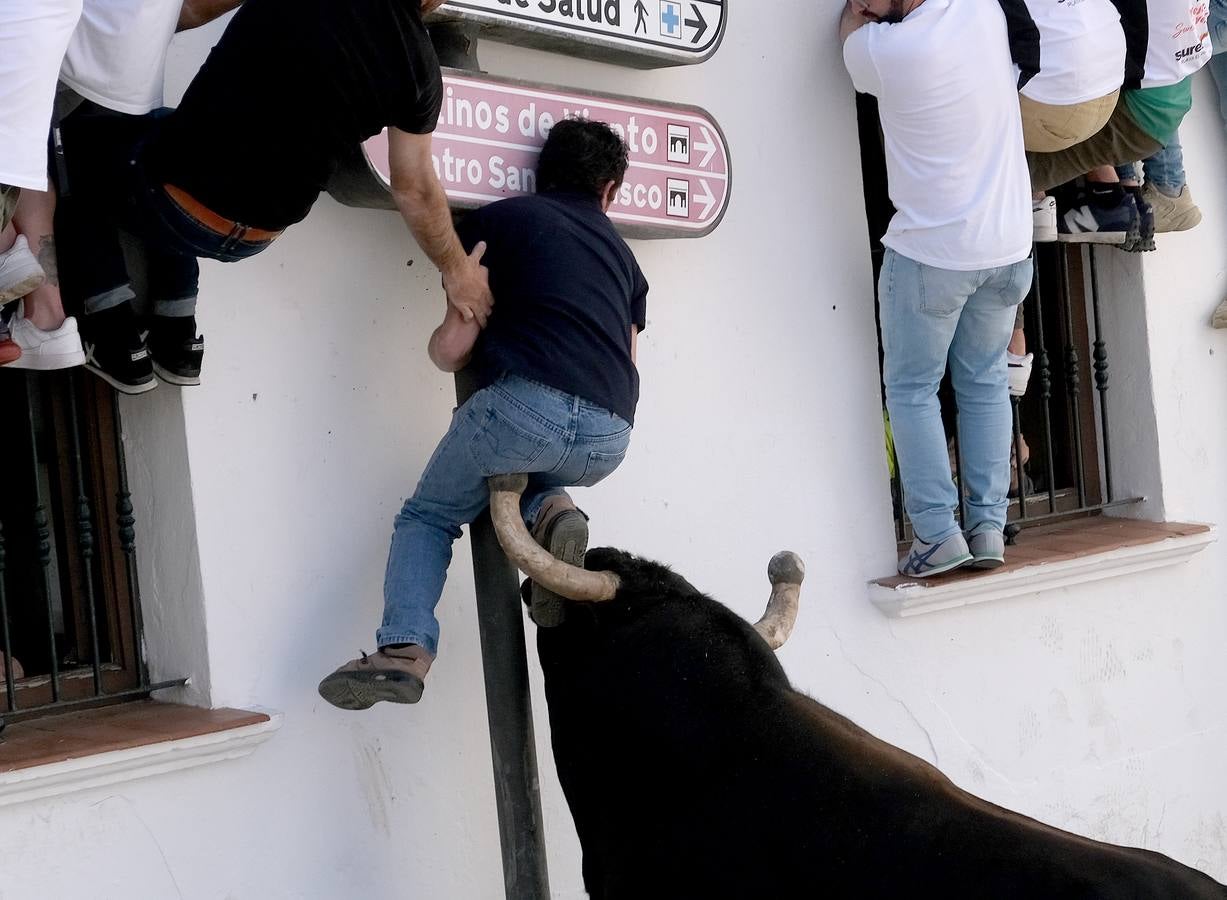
<point>957,260</point>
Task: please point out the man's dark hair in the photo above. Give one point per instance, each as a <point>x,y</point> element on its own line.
<point>581,156</point>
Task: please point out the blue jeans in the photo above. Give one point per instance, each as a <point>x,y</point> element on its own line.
<point>931,317</point>
<point>109,190</point>
<point>514,425</point>
<point>1166,168</point>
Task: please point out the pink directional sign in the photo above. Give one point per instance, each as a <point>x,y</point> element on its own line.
<point>491,130</point>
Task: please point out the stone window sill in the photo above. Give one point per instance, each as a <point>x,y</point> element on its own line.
<point>1048,558</point>
<point>78,751</point>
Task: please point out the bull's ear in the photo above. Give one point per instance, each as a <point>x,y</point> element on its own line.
<point>786,571</point>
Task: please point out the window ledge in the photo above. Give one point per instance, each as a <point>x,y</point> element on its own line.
<point>63,754</point>
<point>1049,558</point>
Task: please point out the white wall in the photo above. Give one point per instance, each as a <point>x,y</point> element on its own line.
<point>1098,709</point>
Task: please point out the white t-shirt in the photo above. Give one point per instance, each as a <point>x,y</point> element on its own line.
<point>1178,41</point>
<point>1082,51</point>
<point>33,36</point>
<point>948,101</point>
<point>117,57</point>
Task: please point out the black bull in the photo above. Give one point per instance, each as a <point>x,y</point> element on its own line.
<point>694,770</point>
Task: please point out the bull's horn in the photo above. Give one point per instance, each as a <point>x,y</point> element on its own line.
<point>786,572</point>
<point>534,560</point>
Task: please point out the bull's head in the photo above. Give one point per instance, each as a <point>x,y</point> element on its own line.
<point>786,571</point>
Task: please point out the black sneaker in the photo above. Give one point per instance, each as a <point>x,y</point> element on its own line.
<point>115,352</point>
<point>1099,217</point>
<point>176,349</point>
<point>1145,241</point>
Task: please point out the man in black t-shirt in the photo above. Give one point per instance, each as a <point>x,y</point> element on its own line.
<point>559,386</point>
<point>289,88</point>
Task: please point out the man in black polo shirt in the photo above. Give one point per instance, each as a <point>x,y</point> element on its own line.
<point>556,365</point>
<point>290,87</point>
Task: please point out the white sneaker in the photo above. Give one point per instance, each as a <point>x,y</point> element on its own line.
<point>1044,219</point>
<point>20,272</point>
<point>1019,368</point>
<point>45,350</point>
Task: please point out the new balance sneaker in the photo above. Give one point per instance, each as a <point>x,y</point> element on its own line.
<point>1177,213</point>
<point>115,352</point>
<point>925,560</point>
<point>1145,240</point>
<point>394,674</point>
<point>562,530</point>
<point>1019,369</point>
<point>45,351</point>
<point>176,349</point>
<point>1109,217</point>
<point>987,546</point>
<point>1044,219</point>
<point>20,272</point>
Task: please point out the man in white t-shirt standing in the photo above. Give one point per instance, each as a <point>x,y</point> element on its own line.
<point>957,260</point>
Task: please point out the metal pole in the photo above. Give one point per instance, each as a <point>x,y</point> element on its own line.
<point>500,623</point>
<point>508,707</point>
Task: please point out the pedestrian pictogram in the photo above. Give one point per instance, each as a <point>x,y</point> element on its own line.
<point>641,17</point>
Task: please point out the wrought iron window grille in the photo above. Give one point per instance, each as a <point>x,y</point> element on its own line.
<point>1061,422</point>
<point>70,605</point>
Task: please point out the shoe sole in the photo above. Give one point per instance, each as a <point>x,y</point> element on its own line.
<point>123,387</point>
<point>1094,237</point>
<point>569,543</point>
<point>986,562</point>
<point>173,378</point>
<point>362,690</point>
<point>940,570</point>
<point>22,287</point>
<point>49,363</point>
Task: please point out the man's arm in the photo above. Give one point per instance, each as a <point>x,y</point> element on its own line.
<point>422,203</point>
<point>851,20</point>
<point>451,345</point>
<point>195,13</point>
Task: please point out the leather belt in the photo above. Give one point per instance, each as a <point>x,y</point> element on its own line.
<point>212,221</point>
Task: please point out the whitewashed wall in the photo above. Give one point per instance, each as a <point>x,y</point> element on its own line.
<point>1099,709</point>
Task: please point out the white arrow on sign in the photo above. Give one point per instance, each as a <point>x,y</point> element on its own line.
<point>707,198</point>
<point>708,147</point>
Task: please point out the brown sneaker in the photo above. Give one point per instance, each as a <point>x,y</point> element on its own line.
<point>395,674</point>
<point>563,530</point>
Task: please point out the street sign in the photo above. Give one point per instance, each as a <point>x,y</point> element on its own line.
<point>642,33</point>
<point>491,130</point>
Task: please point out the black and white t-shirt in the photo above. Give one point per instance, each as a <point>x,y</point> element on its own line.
<point>1165,40</point>
<point>1067,51</point>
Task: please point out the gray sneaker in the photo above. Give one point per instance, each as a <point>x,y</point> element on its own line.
<point>934,559</point>
<point>565,535</point>
<point>987,545</point>
<point>395,674</point>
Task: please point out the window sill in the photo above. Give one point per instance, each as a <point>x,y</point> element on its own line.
<point>78,751</point>
<point>1049,558</point>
